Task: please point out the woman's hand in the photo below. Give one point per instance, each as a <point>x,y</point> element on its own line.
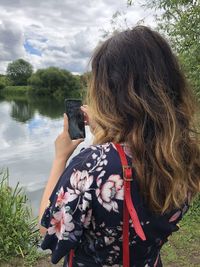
<point>64,146</point>
<point>88,118</point>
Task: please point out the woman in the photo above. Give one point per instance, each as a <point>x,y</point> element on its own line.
<point>138,98</point>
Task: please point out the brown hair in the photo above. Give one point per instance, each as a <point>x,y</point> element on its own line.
<point>139,95</point>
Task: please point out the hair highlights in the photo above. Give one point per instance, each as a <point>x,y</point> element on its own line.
<point>138,95</point>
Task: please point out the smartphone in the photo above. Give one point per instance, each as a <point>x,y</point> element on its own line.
<point>75,118</point>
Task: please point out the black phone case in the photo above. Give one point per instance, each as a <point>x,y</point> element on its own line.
<point>75,118</point>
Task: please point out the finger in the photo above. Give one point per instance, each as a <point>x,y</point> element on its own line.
<point>65,124</point>
<point>84,108</point>
<point>85,113</point>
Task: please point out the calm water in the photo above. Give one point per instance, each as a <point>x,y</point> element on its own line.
<point>28,128</point>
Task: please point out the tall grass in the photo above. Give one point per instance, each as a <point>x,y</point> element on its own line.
<point>18,230</point>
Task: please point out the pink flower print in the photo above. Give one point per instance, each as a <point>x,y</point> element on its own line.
<point>108,192</point>
<point>156,262</point>
<point>86,218</point>
<point>61,223</point>
<point>64,197</point>
<point>175,216</point>
<point>80,182</point>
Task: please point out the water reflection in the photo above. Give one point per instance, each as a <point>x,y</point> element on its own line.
<point>28,128</point>
<point>21,110</point>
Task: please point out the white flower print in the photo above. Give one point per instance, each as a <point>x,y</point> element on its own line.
<point>61,223</point>
<point>108,192</point>
<point>94,156</point>
<point>80,182</point>
<point>106,147</point>
<point>88,164</point>
<point>109,240</point>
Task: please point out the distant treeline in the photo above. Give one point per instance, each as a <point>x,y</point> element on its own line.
<point>20,78</point>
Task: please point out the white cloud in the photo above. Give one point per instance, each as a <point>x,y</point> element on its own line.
<point>64,32</point>
<point>11,43</point>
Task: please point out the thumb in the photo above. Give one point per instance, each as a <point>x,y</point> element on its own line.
<point>85,109</point>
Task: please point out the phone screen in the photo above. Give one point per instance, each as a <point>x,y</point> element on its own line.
<point>75,118</point>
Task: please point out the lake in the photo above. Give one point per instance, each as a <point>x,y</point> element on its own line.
<point>28,128</point>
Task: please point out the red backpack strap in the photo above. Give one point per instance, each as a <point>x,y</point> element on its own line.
<point>71,255</point>
<point>128,207</point>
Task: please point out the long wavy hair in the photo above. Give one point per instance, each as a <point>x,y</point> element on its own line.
<point>138,95</point>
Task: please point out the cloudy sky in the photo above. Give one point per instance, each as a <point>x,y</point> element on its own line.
<point>60,33</point>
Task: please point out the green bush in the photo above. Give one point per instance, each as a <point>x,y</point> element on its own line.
<point>3,81</point>
<point>2,85</point>
<point>16,90</point>
<point>54,81</point>
<point>18,230</point>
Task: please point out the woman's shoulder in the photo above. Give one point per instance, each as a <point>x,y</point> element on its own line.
<point>96,158</point>
<point>95,152</point>
<point>105,148</point>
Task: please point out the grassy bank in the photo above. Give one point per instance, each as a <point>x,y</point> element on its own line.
<point>183,248</point>
<point>19,237</point>
<point>12,91</point>
<point>25,91</point>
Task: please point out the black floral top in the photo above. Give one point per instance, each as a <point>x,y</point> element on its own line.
<point>85,213</point>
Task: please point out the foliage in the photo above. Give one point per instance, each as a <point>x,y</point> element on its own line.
<point>180,20</point>
<point>16,90</point>
<point>2,85</point>
<point>19,71</point>
<point>3,81</point>
<point>54,81</point>
<point>18,233</point>
<point>85,79</point>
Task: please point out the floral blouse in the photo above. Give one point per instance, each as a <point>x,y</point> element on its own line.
<point>85,213</point>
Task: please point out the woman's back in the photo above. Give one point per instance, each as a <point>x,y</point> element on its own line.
<point>92,192</point>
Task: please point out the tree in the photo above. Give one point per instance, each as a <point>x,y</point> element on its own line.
<point>19,71</point>
<point>54,81</point>
<point>85,79</point>
<point>47,81</point>
<point>180,20</point>
<point>3,81</point>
